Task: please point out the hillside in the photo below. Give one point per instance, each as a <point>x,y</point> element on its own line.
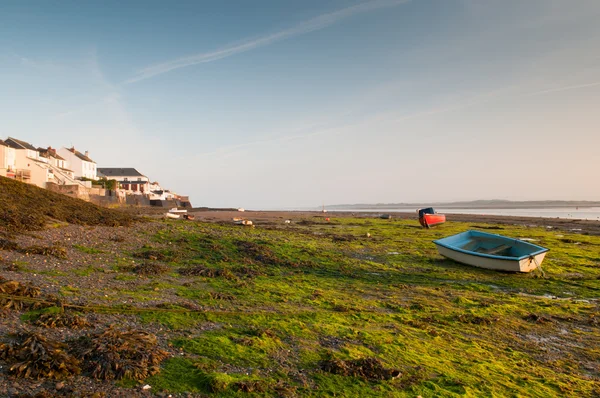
<point>27,207</point>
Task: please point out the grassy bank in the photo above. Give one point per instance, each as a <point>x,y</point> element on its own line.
<point>26,207</point>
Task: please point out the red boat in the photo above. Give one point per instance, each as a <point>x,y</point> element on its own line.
<point>429,218</point>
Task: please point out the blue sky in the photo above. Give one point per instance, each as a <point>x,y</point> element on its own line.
<point>270,104</point>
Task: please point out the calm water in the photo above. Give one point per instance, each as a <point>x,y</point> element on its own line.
<point>589,213</point>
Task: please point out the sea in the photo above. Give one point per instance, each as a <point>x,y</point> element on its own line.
<point>572,213</point>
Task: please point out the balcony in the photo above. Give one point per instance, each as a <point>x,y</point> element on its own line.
<point>23,175</point>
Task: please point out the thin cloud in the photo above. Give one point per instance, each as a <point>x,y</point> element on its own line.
<point>331,129</point>
<point>565,88</point>
<point>317,23</point>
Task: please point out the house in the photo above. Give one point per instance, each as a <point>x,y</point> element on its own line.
<point>59,165</point>
<point>128,178</point>
<point>7,160</point>
<point>29,167</point>
<point>80,163</point>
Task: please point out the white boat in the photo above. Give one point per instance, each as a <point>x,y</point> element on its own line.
<point>171,215</point>
<point>177,211</point>
<point>497,252</point>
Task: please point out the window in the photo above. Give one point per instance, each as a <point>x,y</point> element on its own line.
<point>139,179</point>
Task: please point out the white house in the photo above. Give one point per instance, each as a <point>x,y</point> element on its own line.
<point>128,178</point>
<point>62,173</point>
<point>29,166</point>
<point>7,160</point>
<point>80,163</point>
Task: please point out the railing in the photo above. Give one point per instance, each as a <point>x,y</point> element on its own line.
<point>22,175</point>
<point>65,178</point>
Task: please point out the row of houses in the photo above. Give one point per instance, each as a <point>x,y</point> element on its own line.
<point>67,167</point>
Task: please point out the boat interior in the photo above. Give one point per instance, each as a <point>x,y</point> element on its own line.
<point>490,246</point>
<point>493,245</point>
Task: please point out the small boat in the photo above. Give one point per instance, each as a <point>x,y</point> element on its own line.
<point>241,221</point>
<point>171,215</point>
<point>491,251</point>
<point>386,216</point>
<point>429,218</point>
<point>176,211</point>
<point>188,217</point>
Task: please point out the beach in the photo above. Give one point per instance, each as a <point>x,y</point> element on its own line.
<point>353,306</point>
<point>273,217</point>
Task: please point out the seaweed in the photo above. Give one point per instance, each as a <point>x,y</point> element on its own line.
<point>31,355</point>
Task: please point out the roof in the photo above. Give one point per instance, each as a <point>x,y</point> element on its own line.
<point>49,152</point>
<point>18,144</point>
<point>3,143</point>
<point>119,172</point>
<point>80,155</point>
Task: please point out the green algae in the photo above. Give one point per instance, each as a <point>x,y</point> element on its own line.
<point>302,293</point>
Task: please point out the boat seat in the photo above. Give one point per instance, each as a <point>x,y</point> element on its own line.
<point>494,250</point>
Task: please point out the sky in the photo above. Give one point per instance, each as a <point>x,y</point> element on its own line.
<point>279,104</point>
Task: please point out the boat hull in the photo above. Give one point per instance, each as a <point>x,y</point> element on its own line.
<point>491,251</point>
<point>431,220</point>
<point>510,265</point>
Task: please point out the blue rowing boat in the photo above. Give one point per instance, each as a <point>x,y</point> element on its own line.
<point>497,252</point>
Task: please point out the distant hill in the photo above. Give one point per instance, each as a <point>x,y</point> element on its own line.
<point>27,207</point>
<point>474,204</point>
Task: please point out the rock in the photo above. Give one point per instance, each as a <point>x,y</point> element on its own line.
<point>59,386</point>
<point>146,387</point>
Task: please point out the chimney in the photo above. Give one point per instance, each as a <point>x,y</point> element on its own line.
<point>87,153</point>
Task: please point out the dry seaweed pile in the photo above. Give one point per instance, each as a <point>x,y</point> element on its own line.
<point>148,269</point>
<point>25,207</point>
<point>200,270</point>
<point>31,355</point>
<point>115,354</point>
<point>366,368</point>
<point>10,291</point>
<point>62,320</point>
<point>54,250</point>
<point>151,253</point>
<point>260,253</point>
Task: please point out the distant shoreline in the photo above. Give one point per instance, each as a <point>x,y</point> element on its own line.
<point>270,218</point>
<point>411,208</point>
<point>474,204</point>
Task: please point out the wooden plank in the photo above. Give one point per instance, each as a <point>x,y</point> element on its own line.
<point>494,250</point>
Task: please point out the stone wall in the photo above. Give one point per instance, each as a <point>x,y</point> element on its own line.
<point>74,191</point>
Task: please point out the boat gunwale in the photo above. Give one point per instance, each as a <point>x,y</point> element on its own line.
<point>458,249</point>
